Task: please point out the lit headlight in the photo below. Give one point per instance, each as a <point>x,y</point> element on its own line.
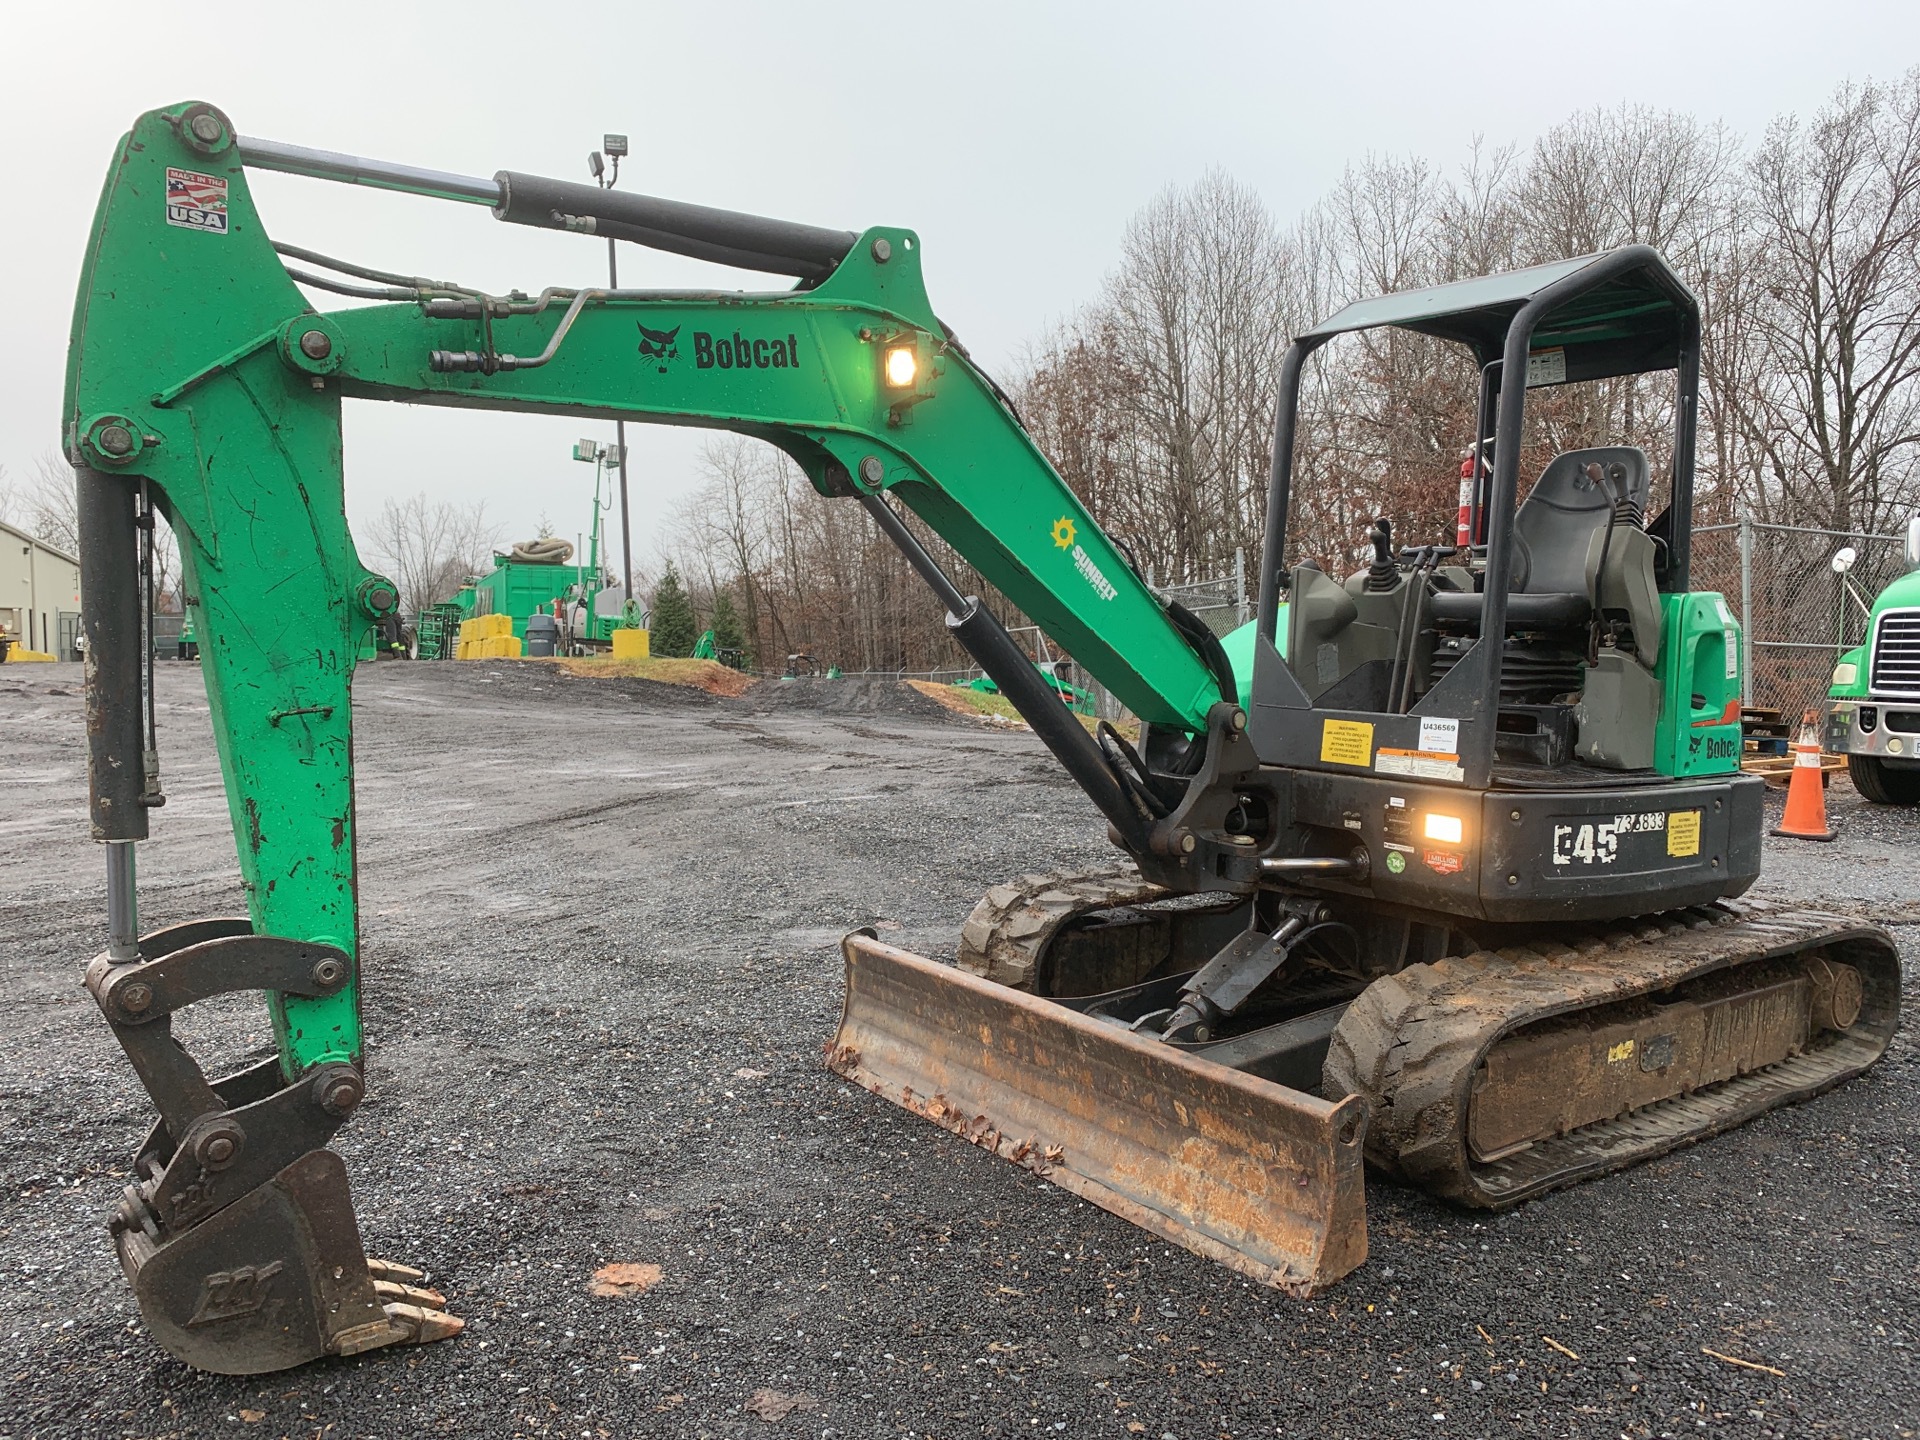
<point>902,367</point>
<point>1445,828</point>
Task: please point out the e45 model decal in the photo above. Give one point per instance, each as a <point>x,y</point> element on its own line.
<point>1586,844</point>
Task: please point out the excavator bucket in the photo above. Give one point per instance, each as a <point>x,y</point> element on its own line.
<point>1266,1180</point>
<point>309,1291</point>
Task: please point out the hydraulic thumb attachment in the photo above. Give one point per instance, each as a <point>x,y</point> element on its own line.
<point>238,1236</point>
<point>1266,1180</point>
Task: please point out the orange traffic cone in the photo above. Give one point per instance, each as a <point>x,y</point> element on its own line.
<point>1806,817</point>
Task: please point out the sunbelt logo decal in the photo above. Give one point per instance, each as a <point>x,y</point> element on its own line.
<point>1065,535</point>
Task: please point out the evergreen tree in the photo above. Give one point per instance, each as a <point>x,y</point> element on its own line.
<point>727,635</point>
<point>674,627</point>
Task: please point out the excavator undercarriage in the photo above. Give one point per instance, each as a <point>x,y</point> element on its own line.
<point>1525,1059</point>
<point>1436,867</point>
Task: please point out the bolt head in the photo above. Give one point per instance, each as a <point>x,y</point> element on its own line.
<point>882,250</point>
<point>872,471</point>
<point>114,439</point>
<point>218,1148</point>
<point>1187,844</point>
<point>339,1093</point>
<point>136,997</point>
<point>329,973</point>
<point>206,127</point>
<point>1514,816</point>
<point>316,345</point>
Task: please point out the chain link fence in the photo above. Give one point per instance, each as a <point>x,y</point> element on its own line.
<point>1222,603</point>
<point>1796,612</point>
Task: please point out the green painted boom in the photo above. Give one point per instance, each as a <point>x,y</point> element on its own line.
<point>191,338</point>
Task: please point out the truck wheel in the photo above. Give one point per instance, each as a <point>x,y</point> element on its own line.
<point>1880,783</point>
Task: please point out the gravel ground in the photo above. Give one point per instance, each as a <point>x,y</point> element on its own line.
<point>599,922</point>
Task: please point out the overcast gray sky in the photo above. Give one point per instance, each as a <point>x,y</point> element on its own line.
<point>1016,138</point>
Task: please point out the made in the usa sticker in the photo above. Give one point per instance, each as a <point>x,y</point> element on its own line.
<point>196,201</point>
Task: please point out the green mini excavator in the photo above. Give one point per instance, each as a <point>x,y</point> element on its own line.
<point>1439,877</point>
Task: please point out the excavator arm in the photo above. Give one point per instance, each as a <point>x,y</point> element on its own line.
<point>200,377</point>
<point>203,386</point>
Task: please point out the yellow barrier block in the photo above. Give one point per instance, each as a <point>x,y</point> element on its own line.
<point>486,627</point>
<point>512,648</point>
<point>16,655</point>
<point>630,645</point>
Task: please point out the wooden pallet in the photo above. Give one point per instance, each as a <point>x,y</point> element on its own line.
<point>1778,769</point>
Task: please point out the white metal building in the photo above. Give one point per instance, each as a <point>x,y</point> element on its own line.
<point>39,594</point>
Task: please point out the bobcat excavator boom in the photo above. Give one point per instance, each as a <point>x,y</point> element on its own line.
<point>203,386</point>
<point>1437,879</point>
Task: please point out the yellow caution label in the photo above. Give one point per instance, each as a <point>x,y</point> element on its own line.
<point>1346,742</point>
<point>1619,1052</point>
<point>1683,832</point>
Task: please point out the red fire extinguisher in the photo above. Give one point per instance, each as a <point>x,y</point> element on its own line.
<point>1463,527</point>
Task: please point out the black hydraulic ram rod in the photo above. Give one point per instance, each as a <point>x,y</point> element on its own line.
<point>110,578</point>
<point>987,640</point>
<point>727,237</point>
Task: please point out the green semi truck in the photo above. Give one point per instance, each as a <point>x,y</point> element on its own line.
<point>1873,707</point>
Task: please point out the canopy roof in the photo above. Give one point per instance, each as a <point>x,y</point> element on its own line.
<point>1628,320</point>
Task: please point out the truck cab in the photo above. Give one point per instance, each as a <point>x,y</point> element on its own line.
<point>1873,706</point>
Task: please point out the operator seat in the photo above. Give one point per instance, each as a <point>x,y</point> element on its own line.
<point>1553,532</point>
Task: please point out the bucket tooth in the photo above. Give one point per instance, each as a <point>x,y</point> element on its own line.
<point>1266,1180</point>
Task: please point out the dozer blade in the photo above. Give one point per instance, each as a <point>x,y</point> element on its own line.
<point>1261,1178</point>
<point>276,1279</point>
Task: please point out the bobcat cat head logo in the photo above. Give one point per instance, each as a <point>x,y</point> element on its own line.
<point>659,345</point>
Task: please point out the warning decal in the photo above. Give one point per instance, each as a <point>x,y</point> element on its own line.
<point>1683,832</point>
<point>1420,764</point>
<point>196,201</point>
<point>1346,742</point>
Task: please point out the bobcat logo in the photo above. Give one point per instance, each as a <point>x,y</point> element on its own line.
<point>229,1294</point>
<point>660,345</point>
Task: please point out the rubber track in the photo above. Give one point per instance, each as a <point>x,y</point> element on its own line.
<point>1012,925</point>
<point>1413,1042</point>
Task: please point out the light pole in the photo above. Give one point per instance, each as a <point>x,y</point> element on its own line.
<point>605,165</point>
<point>602,459</point>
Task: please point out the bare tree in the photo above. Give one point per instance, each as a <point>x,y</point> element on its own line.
<point>1837,204</point>
<point>52,506</point>
<point>431,546</point>
<point>1154,400</point>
